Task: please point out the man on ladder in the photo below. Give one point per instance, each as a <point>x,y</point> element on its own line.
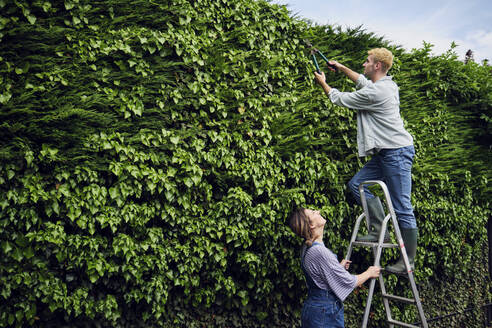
<point>380,133</point>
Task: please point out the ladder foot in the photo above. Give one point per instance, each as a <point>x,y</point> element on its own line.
<point>402,324</point>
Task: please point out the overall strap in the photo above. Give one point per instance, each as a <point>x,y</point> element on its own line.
<point>309,281</point>
<point>313,289</point>
<point>303,254</point>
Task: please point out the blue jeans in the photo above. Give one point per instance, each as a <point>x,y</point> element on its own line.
<point>322,309</point>
<point>393,167</point>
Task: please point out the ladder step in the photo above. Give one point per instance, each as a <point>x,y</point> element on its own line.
<point>402,324</point>
<point>403,273</point>
<point>399,298</point>
<point>371,244</point>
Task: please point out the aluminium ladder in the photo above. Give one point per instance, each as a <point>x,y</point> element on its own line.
<point>377,250</point>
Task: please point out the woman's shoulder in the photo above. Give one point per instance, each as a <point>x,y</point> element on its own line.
<point>318,249</point>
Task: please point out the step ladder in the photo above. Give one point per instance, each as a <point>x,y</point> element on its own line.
<point>377,248</point>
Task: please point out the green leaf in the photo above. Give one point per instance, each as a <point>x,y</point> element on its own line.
<point>188,182</point>
<point>28,252</point>
<point>60,256</point>
<point>19,315</point>
<point>114,192</point>
<point>56,207</point>
<point>93,277</point>
<point>196,179</point>
<point>64,190</point>
<point>17,254</point>
<point>5,97</point>
<point>7,246</point>
<point>46,6</point>
<point>31,19</point>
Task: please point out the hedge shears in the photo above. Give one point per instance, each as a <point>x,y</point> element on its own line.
<point>315,51</point>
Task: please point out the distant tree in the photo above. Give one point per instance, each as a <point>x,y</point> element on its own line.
<point>468,56</point>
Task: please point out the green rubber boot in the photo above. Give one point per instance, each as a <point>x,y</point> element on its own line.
<point>376,217</point>
<point>410,237</point>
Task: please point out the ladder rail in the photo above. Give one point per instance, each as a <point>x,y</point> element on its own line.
<point>387,308</point>
<point>377,262</point>
<point>385,192</point>
<point>367,310</point>
<point>354,236</point>
<point>418,302</point>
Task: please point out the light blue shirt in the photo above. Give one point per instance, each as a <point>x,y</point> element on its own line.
<point>379,124</point>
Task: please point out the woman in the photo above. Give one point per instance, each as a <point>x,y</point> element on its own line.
<point>328,281</point>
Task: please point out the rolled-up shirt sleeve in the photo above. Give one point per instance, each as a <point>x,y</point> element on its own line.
<point>360,99</point>
<point>361,82</point>
<point>326,271</point>
<point>355,100</point>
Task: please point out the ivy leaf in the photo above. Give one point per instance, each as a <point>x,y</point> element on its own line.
<point>7,246</point>
<point>5,97</point>
<point>188,182</point>
<point>114,192</point>
<point>196,179</point>
<point>17,254</point>
<point>46,6</point>
<point>56,207</point>
<point>63,188</point>
<point>28,253</point>
<point>174,140</point>
<point>31,19</point>
<point>93,276</point>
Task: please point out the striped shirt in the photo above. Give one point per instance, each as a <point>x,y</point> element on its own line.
<point>323,267</point>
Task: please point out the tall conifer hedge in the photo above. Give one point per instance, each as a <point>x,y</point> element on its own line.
<point>150,152</point>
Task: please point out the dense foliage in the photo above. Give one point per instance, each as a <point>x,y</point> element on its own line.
<point>150,152</point>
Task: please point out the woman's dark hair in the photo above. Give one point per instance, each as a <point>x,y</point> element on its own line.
<point>299,223</point>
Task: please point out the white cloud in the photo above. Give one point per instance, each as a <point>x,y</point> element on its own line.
<point>414,36</point>
<point>440,23</point>
<point>481,42</point>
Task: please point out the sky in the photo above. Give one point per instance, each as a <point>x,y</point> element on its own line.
<point>409,23</point>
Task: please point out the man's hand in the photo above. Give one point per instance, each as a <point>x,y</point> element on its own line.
<point>333,65</point>
<point>320,78</point>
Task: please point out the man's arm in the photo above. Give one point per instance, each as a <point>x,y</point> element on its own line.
<point>345,70</point>
<point>359,99</point>
<point>320,78</point>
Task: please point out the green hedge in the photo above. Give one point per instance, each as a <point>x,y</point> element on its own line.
<point>151,151</point>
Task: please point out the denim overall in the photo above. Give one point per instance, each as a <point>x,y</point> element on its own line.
<point>322,308</point>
